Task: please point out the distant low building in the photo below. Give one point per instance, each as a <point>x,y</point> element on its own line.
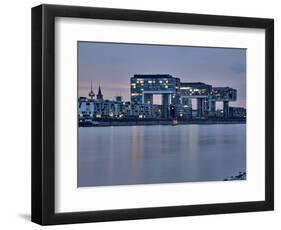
<point>183,112</point>
<point>151,111</point>
<point>98,108</point>
<point>237,112</point>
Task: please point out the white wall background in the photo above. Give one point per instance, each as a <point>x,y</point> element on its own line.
<point>15,118</point>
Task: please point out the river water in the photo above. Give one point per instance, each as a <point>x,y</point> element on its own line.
<point>160,154</point>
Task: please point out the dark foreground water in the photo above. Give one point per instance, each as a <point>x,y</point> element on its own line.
<point>160,154</point>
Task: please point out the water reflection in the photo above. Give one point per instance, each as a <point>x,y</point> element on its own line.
<point>160,154</point>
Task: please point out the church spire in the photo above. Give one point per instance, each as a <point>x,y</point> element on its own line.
<point>99,95</point>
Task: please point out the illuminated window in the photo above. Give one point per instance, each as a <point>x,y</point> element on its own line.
<point>134,85</point>
<point>149,82</point>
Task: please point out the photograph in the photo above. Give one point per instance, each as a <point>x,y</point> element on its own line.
<point>151,114</point>
<point>141,113</point>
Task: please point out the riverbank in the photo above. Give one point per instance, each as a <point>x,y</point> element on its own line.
<point>156,122</point>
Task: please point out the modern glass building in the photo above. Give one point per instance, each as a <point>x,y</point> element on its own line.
<point>144,86</point>
<point>179,94</point>
<point>176,98</point>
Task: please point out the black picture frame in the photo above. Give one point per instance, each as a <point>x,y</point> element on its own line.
<point>43,114</point>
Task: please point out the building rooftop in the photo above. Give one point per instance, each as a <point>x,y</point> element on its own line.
<point>153,76</point>
<point>195,84</point>
<point>223,88</point>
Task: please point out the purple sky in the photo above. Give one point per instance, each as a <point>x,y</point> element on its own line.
<point>111,65</point>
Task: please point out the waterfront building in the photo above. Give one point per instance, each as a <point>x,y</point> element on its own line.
<point>183,111</point>
<point>225,95</point>
<point>85,107</point>
<point>96,108</point>
<point>180,95</point>
<point>144,86</point>
<point>199,91</point>
<point>122,109</point>
<point>207,97</point>
<point>141,110</point>
<point>219,113</point>
<point>176,100</point>
<point>237,112</point>
<point>104,108</point>
<point>127,109</point>
<point>82,106</point>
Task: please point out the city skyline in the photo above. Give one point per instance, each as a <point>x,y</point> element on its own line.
<point>184,138</point>
<point>110,65</point>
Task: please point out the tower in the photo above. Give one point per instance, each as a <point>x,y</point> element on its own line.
<point>91,94</point>
<point>99,95</point>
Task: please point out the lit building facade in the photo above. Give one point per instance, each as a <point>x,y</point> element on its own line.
<point>176,97</point>
<point>144,86</point>
<point>207,97</point>
<point>199,91</point>
<point>180,94</point>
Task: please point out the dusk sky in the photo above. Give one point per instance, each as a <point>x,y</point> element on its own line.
<point>111,65</point>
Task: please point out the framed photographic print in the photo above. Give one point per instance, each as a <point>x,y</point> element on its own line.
<point>142,114</point>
